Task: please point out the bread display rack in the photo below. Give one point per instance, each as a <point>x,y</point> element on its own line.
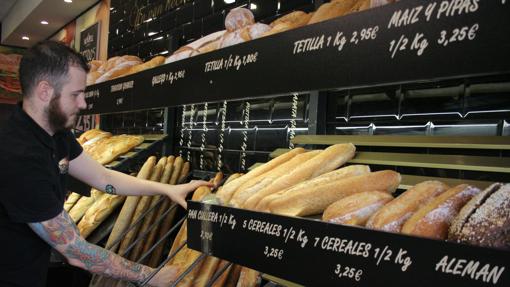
<point>404,43</point>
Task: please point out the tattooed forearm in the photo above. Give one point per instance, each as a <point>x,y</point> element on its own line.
<point>110,189</point>
<point>61,233</point>
<point>100,261</point>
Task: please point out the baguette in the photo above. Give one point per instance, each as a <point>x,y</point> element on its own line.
<point>228,189</point>
<point>141,207</point>
<point>338,174</point>
<point>328,160</point>
<point>206,272</point>
<point>151,216</point>
<point>434,219</point>
<point>178,165</point>
<point>393,215</point>
<point>167,222</point>
<point>252,187</point>
<point>71,201</point>
<point>357,208</point>
<point>83,204</point>
<point>248,278</point>
<point>98,212</point>
<point>186,256</point>
<point>129,207</point>
<point>184,172</point>
<point>314,200</point>
<point>221,281</point>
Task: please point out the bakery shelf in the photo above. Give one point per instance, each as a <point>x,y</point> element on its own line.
<point>305,59</point>
<point>450,161</point>
<point>315,253</point>
<point>449,142</point>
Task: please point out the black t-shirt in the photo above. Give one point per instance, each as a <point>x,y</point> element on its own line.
<point>33,178</point>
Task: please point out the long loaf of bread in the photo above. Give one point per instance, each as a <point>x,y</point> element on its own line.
<point>328,160</point>
<point>251,187</point>
<point>98,212</point>
<point>434,219</point>
<point>342,173</point>
<point>151,216</point>
<point>165,178</point>
<point>83,204</point>
<point>315,199</point>
<point>356,209</point>
<point>228,189</point>
<point>71,201</point>
<point>129,207</point>
<point>393,215</point>
<point>142,206</point>
<point>167,222</point>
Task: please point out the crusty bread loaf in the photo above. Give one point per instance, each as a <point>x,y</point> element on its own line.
<point>485,219</point>
<point>393,215</point>
<point>238,18</point>
<point>126,213</point>
<point>257,30</point>
<point>149,219</point>
<point>342,173</point>
<point>98,212</point>
<point>249,278</point>
<point>94,65</point>
<point>251,187</point>
<point>206,271</point>
<point>225,194</point>
<point>433,220</point>
<point>314,200</point>
<point>88,135</point>
<point>235,37</point>
<point>221,281</point>
<point>71,201</point>
<point>142,206</point>
<point>357,208</point>
<point>83,204</point>
<point>167,222</point>
<point>114,146</point>
<point>332,10</point>
<point>186,256</point>
<point>92,77</point>
<point>329,159</point>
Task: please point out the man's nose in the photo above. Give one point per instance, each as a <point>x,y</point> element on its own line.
<point>82,104</point>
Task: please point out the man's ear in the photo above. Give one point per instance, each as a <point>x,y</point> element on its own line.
<point>44,91</point>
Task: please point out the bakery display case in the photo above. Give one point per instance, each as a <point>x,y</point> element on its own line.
<point>419,89</point>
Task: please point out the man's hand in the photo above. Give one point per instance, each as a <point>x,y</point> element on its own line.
<point>179,194</point>
<point>165,277</point>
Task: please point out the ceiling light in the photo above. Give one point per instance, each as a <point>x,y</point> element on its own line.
<point>164,52</point>
<point>68,1</point>
<point>44,22</point>
<point>229,1</point>
<point>25,38</point>
<point>253,6</point>
<point>152,33</point>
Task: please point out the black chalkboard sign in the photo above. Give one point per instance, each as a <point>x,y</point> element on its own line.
<point>405,42</point>
<point>89,42</point>
<point>316,253</point>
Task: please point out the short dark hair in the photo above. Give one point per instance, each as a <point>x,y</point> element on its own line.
<point>49,61</point>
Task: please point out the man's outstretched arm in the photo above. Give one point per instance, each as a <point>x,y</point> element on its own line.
<point>61,233</point>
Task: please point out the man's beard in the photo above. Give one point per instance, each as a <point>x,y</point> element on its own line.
<point>58,120</point>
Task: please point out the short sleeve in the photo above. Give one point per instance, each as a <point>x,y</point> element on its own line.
<point>75,149</point>
<point>29,195</point>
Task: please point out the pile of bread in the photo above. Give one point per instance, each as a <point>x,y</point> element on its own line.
<point>300,183</point>
<point>119,66</point>
<point>240,27</point>
<point>91,211</point>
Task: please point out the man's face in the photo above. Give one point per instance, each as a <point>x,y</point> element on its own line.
<point>63,108</point>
